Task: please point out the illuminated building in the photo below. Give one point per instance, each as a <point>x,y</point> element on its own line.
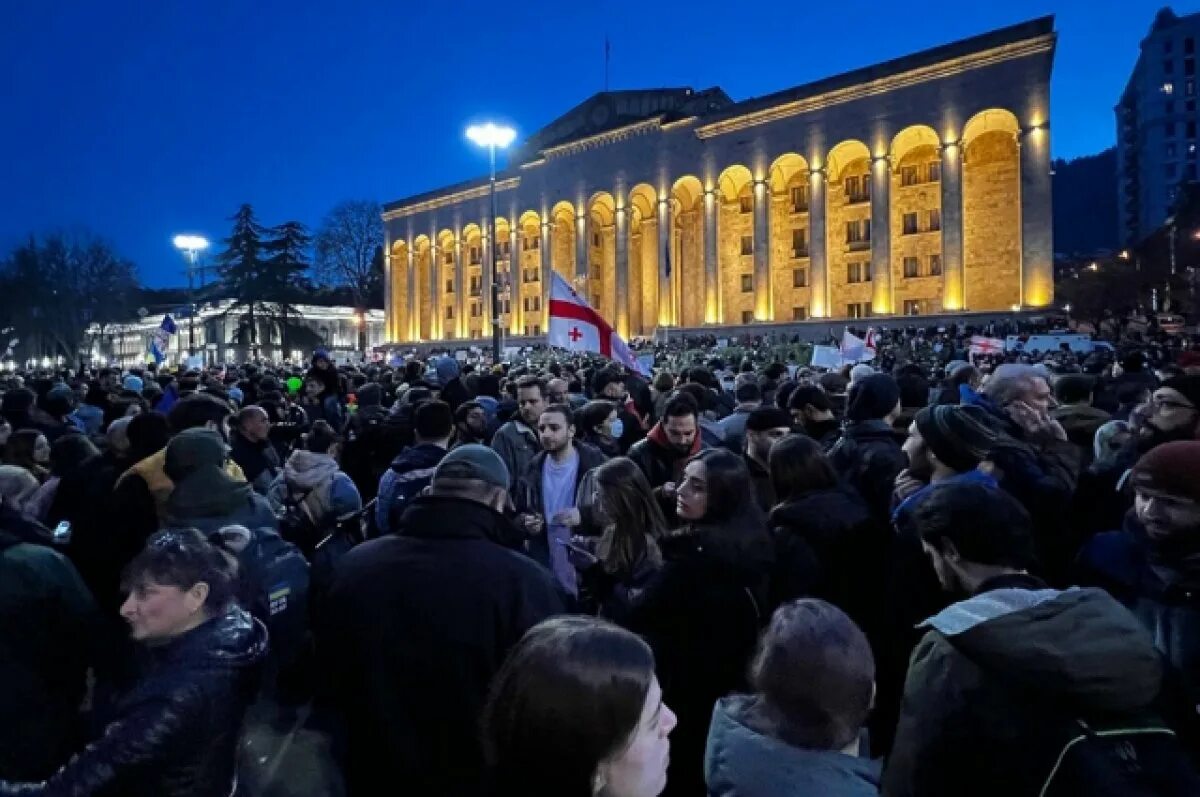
<point>916,186</point>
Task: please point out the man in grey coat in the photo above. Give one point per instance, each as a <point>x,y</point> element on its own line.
<point>517,441</point>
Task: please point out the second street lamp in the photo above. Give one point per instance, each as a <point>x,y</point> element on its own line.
<point>493,137</point>
<point>192,245</point>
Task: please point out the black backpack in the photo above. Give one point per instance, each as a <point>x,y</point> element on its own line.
<point>299,523</point>
<point>348,532</point>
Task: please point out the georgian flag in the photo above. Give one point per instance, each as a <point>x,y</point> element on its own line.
<point>856,349</point>
<point>982,345</point>
<point>575,326</point>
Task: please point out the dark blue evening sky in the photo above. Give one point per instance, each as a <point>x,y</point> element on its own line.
<point>139,120</point>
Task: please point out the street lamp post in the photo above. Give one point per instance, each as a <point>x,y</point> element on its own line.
<point>192,245</point>
<point>493,136</point>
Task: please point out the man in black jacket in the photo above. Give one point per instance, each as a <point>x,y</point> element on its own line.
<point>868,455</point>
<point>417,623</point>
<point>1002,680</point>
<point>250,447</point>
<point>671,442</point>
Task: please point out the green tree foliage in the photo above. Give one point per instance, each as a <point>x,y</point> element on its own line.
<point>287,268</point>
<point>52,289</point>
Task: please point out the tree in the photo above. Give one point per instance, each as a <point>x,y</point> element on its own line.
<point>349,253</point>
<point>52,290</point>
<point>243,271</point>
<point>287,267</point>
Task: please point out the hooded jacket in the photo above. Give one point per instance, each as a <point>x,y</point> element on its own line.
<point>999,676</point>
<point>868,457</point>
<point>659,460</point>
<point>176,733</point>
<point>328,491</point>
<point>742,762</point>
<point>410,473</point>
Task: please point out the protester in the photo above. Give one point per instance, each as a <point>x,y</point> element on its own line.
<point>470,424</point>
<point>67,454</point>
<point>441,602</point>
<point>1003,678</point>
<point>669,445</point>
<point>178,729</point>
<point>827,544</point>
<point>251,448</point>
<point>50,636</point>
<point>29,449</point>
<point>369,444</point>
<point>812,413</point>
<point>609,384</point>
<point>1079,419</point>
<point>517,441</point>
<point>313,485</point>
<point>703,611</point>
<point>800,732</point>
<point>600,425</point>
<point>868,455</point>
<point>413,469</point>
<point>577,710</point>
<point>764,427</point>
<point>204,495</point>
<point>733,426</point>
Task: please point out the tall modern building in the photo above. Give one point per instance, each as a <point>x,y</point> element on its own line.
<point>916,186</point>
<point>1156,125</point>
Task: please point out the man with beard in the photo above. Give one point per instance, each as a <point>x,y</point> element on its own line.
<point>516,441</point>
<point>550,495</point>
<point>669,445</point>
<point>1152,565</point>
<point>764,427</point>
<point>812,413</point>
<point>1172,413</point>
<point>470,424</point>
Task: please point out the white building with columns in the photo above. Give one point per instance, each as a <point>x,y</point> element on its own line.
<point>916,186</point>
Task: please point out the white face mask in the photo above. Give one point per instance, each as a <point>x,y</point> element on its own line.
<point>617,429</point>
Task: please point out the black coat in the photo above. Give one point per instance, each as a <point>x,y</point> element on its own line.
<point>258,460</point>
<point>868,458</point>
<point>176,733</point>
<point>659,463</point>
<point>701,613</point>
<point>414,627</point>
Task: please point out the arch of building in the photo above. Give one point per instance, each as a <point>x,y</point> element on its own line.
<point>848,223</point>
<point>687,252</point>
<point>735,245</point>
<point>529,275</point>
<point>991,204</point>
<point>474,305</point>
<point>915,218</point>
<point>423,302</point>
<point>563,226</point>
<point>503,253</point>
<point>443,318</point>
<point>790,256</point>
<point>601,289</point>
<point>399,322</point>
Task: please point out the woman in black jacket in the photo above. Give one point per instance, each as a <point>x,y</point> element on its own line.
<point>703,610</point>
<point>824,534</point>
<point>176,732</point>
<point>599,423</point>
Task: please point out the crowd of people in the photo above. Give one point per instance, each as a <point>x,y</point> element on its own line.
<point>931,574</point>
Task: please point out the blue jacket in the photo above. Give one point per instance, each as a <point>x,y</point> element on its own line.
<point>741,762</point>
<point>410,473</point>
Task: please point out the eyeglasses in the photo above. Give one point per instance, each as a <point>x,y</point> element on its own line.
<point>1160,403</point>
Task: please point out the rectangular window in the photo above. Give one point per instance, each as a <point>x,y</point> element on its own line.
<point>858,310</point>
<point>1169,150</point>
<point>450,286</point>
<point>449,312</point>
<point>866,230</point>
<point>799,313</point>
<point>476,285</point>
<point>854,272</point>
<point>537,302</point>
<point>912,267</point>
<point>507,306</point>
<point>935,265</point>
<point>537,329</point>
<point>912,306</point>
<point>747,283</point>
<point>747,244</point>
<point>1169,171</point>
<point>910,223</point>
<point>935,220</point>
<point>747,316</point>
<point>525,304</point>
<point>851,188</point>
<point>505,248</point>
<point>935,171</point>
<point>908,175</point>
<point>476,309</point>
<point>799,278</point>
<point>596,240</point>
<point>800,196</point>
<point>476,255</point>
<point>448,257</point>
<point>800,243</point>
<point>746,203</point>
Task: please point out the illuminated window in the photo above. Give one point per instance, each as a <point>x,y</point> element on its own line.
<point>935,220</point>
<point>858,272</point>
<point>504,249</point>
<point>908,175</point>
<point>909,223</point>
<point>800,242</point>
<point>935,265</point>
<point>800,197</point>
<point>935,172</point>
<point>912,306</point>
<point>747,316</point>
<point>858,310</point>
<point>1168,88</point>
<point>747,283</point>
<point>799,278</point>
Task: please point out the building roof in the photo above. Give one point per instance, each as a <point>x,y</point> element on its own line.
<point>610,110</point>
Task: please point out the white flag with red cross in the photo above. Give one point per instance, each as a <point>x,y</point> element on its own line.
<point>575,326</point>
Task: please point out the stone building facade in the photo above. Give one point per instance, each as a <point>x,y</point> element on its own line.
<point>916,186</point>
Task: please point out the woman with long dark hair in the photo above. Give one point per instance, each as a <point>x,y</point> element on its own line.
<point>577,712</point>
<point>702,611</point>
<point>176,732</point>
<point>599,424</point>
<point>824,534</point>
<point>29,449</point>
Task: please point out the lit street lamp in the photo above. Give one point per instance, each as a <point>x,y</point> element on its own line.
<point>192,245</point>
<point>493,137</point>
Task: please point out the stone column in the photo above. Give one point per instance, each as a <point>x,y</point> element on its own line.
<point>762,252</point>
<point>818,277</point>
<point>485,270</point>
<point>1037,236</point>
<point>621,305</point>
<point>515,284</point>
<point>712,281</point>
<point>414,324</point>
<point>881,239</point>
<point>435,293</point>
<point>389,303</point>
<point>546,265</point>
<point>460,290</point>
<point>582,248</point>
<point>665,303</point>
<point>953,284</point>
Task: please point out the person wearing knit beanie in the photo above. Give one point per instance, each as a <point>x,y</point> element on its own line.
<point>958,436</point>
<point>1171,469</point>
<point>873,398</point>
<point>1173,413</point>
